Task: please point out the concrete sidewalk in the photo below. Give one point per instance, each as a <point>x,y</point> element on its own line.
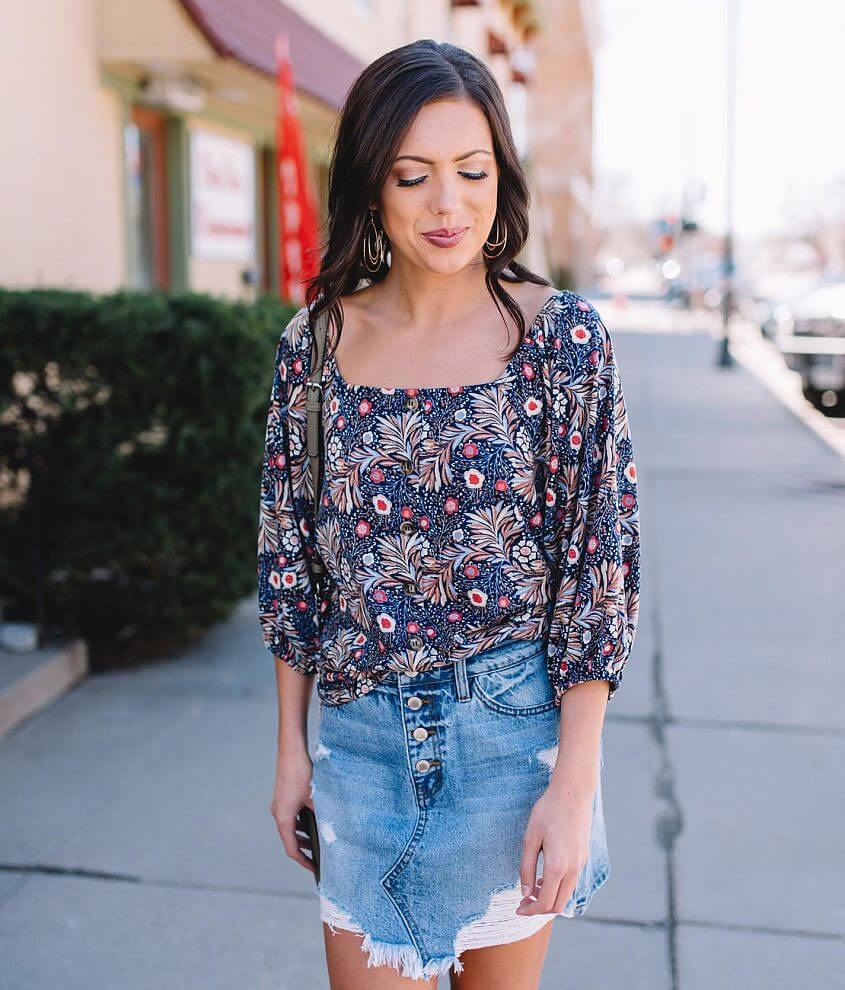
<point>136,842</point>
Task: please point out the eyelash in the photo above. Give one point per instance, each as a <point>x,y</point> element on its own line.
<point>473,176</point>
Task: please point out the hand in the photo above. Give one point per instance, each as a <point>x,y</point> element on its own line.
<point>559,824</point>
<point>292,790</point>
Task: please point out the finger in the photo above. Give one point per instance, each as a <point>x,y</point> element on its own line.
<point>531,846</point>
<point>564,895</point>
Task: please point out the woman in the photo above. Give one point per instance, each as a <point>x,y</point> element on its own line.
<point>478,523</point>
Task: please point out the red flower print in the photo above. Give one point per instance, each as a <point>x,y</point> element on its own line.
<point>380,596</point>
<point>528,370</point>
<point>362,528</point>
<point>628,501</point>
<point>430,631</point>
<point>428,405</point>
<point>551,497</point>
<point>302,605</point>
<point>501,485</point>
<point>425,522</point>
<point>454,616</point>
<point>579,334</point>
<point>282,560</point>
<point>532,405</point>
<point>407,512</point>
<point>386,623</point>
<point>473,478</point>
<point>455,390</point>
<point>572,555</point>
<point>340,422</point>
<point>594,357</point>
<point>554,463</point>
<point>382,505</point>
<point>592,544</point>
<point>472,570</point>
<point>411,391</point>
<point>583,305</point>
<point>283,371</point>
<point>631,471</point>
<point>365,406</point>
<point>377,475</point>
<point>503,601</point>
<point>289,579</point>
<point>274,580</point>
<point>412,627</point>
<point>470,449</point>
<point>451,506</point>
<point>575,440</point>
<point>279,460</point>
<point>477,597</point>
<point>297,365</point>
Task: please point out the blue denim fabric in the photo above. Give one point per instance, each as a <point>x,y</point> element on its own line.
<point>423,857</point>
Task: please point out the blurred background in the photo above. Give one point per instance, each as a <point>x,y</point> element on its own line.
<point>162,193</point>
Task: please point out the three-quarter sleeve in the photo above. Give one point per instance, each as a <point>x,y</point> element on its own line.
<point>593,506</point>
<point>287,599</point>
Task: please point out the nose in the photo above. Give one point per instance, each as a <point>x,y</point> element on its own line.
<point>446,198</point>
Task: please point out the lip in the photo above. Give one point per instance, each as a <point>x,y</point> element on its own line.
<point>446,240</point>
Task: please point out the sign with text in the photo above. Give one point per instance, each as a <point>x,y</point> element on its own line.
<point>222,198</point>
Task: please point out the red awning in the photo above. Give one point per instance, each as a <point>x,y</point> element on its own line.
<point>247,30</point>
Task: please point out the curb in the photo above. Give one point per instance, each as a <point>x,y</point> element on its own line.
<point>50,677</point>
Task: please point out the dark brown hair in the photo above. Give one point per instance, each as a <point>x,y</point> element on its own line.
<point>379,109</point>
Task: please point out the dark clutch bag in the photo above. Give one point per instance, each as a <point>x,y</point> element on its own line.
<point>308,823</point>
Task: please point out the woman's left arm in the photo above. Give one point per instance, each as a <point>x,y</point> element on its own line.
<point>594,522</point>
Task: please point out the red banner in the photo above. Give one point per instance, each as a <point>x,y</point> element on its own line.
<point>297,216</point>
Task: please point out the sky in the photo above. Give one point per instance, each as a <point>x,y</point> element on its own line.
<point>660,109</point>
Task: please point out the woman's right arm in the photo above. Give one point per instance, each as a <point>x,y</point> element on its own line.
<point>287,599</point>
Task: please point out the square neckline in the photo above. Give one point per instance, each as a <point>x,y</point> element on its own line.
<point>506,374</point>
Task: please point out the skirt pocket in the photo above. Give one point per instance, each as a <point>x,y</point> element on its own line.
<point>519,688</point>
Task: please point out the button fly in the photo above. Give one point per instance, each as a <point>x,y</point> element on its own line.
<point>420,733</point>
<point>414,702</point>
<point>422,765</point>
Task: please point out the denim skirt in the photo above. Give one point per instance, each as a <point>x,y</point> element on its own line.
<point>422,790</point>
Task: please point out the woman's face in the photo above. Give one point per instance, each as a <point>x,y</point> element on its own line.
<point>444,176</point>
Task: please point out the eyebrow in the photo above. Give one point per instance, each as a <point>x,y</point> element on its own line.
<point>428,161</point>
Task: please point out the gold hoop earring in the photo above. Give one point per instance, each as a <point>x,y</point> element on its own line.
<point>499,243</point>
<point>374,252</point>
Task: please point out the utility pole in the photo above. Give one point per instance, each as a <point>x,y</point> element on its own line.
<point>725,359</point>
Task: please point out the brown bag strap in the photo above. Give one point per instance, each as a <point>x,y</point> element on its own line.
<point>314,423</point>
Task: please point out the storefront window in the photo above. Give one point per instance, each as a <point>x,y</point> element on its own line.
<point>146,179</point>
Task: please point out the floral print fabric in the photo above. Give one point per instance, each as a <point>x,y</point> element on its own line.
<point>452,519</point>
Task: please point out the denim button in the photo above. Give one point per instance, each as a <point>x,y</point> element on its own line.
<point>414,702</point>
<point>420,733</point>
<point>422,765</point>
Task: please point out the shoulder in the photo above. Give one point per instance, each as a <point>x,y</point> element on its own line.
<point>293,351</point>
<point>575,333</point>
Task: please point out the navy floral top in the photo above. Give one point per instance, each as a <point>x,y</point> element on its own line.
<point>452,519</point>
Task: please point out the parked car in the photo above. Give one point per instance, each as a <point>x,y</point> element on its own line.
<point>811,336</point>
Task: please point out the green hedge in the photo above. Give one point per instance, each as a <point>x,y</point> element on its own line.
<point>131,433</point>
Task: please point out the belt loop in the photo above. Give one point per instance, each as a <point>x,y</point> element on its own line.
<point>461,679</point>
